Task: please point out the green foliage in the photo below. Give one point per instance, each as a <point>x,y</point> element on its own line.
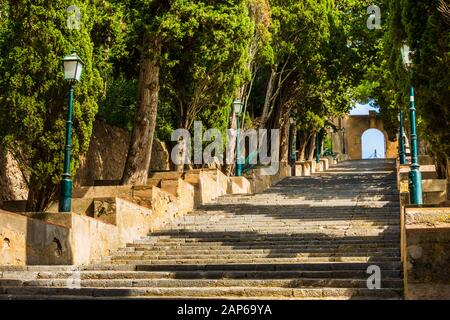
<point>310,40</point>
<point>205,59</point>
<point>34,93</point>
<point>119,104</point>
<point>428,35</point>
<point>422,26</point>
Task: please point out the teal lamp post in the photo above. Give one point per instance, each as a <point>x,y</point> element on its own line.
<point>401,140</point>
<point>318,145</point>
<point>292,145</point>
<point>415,176</point>
<point>237,109</point>
<point>73,67</point>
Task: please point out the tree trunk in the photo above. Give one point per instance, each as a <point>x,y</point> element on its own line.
<point>268,99</point>
<point>140,148</point>
<point>40,195</point>
<point>312,146</point>
<point>303,145</point>
<point>284,139</point>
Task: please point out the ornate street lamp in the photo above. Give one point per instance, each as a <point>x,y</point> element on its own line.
<point>73,67</point>
<point>237,109</point>
<point>415,176</point>
<point>401,140</point>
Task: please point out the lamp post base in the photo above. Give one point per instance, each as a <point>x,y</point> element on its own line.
<point>415,185</point>
<point>239,170</point>
<point>65,198</point>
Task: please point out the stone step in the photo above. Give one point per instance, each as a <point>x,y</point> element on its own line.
<point>277,223</point>
<point>375,230</point>
<point>233,260</point>
<point>262,248</point>
<point>310,266</point>
<point>238,256</point>
<point>285,223</point>
<point>279,274</point>
<point>343,218</point>
<point>199,283</point>
<point>274,238</point>
<point>281,217</point>
<point>187,292</point>
<point>220,250</point>
<point>255,242</point>
<point>376,196</point>
<point>303,212</point>
<point>296,200</point>
<point>272,252</point>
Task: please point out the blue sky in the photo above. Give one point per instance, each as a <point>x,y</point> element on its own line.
<point>362,109</point>
<point>372,139</point>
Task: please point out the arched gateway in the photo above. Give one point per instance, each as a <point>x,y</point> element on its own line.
<point>355,127</point>
<point>373,144</point>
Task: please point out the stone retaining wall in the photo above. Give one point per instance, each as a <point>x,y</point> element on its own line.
<point>426,249</point>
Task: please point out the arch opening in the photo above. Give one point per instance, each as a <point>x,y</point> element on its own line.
<point>373,144</point>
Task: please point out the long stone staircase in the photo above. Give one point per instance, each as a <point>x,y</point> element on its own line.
<point>304,238</point>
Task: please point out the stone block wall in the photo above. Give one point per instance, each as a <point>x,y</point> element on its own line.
<point>426,258</point>
<point>239,185</point>
<point>72,239</point>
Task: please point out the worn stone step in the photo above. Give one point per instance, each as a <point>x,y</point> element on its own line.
<point>310,266</point>
<point>294,238</point>
<point>167,246</point>
<point>279,274</point>
<point>206,292</point>
<point>195,220</point>
<point>219,250</point>
<point>277,225</point>
<point>252,255</point>
<point>232,260</point>
<point>199,283</point>
<point>304,293</point>
<point>314,214</point>
<point>260,243</point>
<point>282,231</point>
<point>292,224</point>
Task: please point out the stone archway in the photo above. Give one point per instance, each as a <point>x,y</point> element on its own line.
<point>355,126</point>
<point>373,144</point>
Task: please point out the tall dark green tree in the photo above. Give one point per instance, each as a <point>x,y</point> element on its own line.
<point>33,93</point>
<point>424,28</point>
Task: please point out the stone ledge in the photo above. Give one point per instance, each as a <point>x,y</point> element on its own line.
<point>35,242</point>
<point>435,291</point>
<point>426,246</point>
<point>428,217</point>
<point>239,185</point>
